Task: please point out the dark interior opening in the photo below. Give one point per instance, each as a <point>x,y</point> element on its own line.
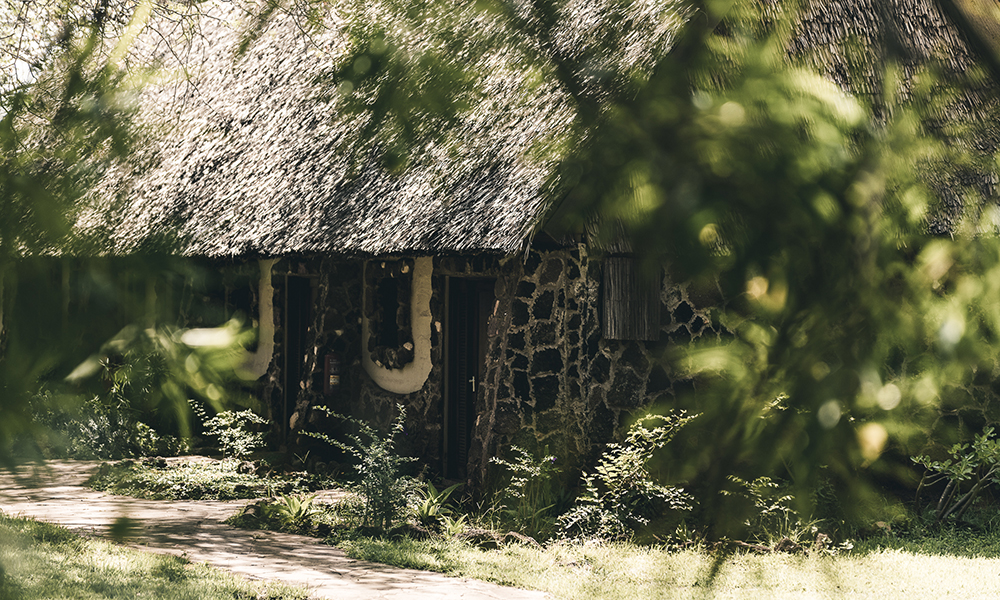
<point>298,313</point>
<point>239,302</point>
<point>388,298</point>
<point>470,303</point>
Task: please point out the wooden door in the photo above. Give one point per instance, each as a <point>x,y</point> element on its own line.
<point>470,302</point>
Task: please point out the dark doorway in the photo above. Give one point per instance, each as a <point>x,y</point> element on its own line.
<point>470,303</point>
<point>298,313</point>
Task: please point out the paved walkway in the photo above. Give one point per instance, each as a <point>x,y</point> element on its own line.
<point>194,530</point>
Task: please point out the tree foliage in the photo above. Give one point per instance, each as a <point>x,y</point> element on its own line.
<point>65,114</point>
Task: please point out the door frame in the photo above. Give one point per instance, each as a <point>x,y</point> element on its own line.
<point>479,295</point>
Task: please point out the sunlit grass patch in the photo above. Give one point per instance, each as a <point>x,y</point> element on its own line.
<point>39,561</point>
<point>568,571</point>
<point>625,571</point>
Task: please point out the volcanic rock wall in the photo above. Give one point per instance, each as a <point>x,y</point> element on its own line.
<point>553,382</point>
<point>550,379</point>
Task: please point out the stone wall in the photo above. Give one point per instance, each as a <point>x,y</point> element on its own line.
<point>422,436</point>
<point>553,382</point>
<point>550,380</point>
<point>334,326</point>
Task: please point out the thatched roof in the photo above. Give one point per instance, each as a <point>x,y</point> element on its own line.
<point>253,159</point>
<point>254,156</point>
<point>257,158</point>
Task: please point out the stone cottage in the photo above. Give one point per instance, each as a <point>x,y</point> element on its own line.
<point>434,285</point>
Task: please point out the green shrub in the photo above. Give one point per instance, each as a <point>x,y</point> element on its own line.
<point>383,488</point>
<point>968,470</point>
<point>528,499</point>
<point>231,429</point>
<point>621,497</point>
<point>96,428</point>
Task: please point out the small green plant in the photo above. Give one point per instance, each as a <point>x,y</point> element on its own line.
<point>528,498</point>
<point>621,496</point>
<point>452,527</point>
<point>294,510</point>
<point>774,522</point>
<point>434,503</point>
<point>382,486</point>
<point>231,429</point>
<point>773,516</point>
<point>977,464</point>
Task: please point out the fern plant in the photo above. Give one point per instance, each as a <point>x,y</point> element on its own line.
<point>621,495</point>
<point>382,486</point>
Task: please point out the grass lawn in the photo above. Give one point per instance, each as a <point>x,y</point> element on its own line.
<point>628,572</point>
<point>39,561</point>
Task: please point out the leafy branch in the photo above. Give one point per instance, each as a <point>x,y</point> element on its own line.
<point>977,463</point>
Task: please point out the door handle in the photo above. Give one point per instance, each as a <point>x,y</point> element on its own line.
<point>473,382</point>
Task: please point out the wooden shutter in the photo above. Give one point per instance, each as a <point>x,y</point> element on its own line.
<point>631,302</point>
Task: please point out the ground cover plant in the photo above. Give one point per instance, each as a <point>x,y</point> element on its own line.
<point>302,514</point>
<point>199,479</point>
<point>39,561</point>
<point>195,478</point>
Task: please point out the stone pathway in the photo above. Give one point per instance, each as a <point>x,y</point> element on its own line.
<point>194,530</point>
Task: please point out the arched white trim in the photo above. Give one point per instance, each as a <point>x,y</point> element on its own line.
<point>411,377</point>
<point>256,363</point>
